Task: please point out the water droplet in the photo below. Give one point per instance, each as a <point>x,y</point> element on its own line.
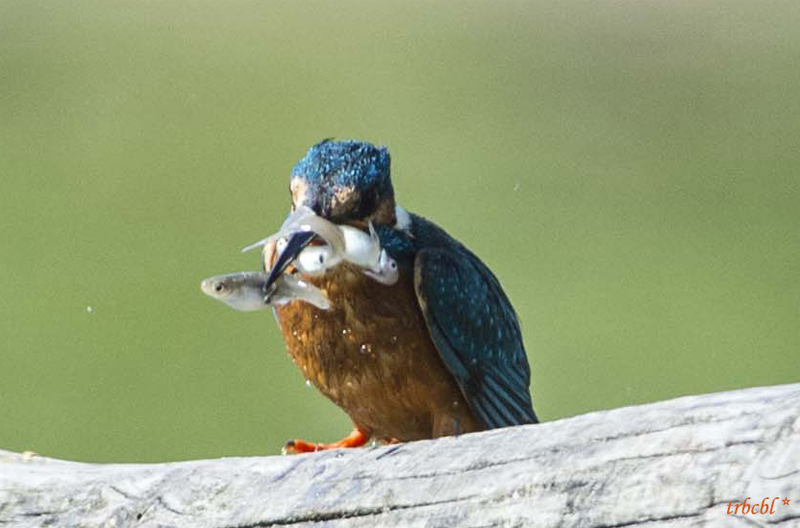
<point>366,348</point>
<point>89,309</point>
<point>345,331</point>
<point>393,339</point>
<point>516,187</point>
<point>294,333</point>
<point>308,383</point>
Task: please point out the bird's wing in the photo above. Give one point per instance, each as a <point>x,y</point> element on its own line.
<point>475,330</point>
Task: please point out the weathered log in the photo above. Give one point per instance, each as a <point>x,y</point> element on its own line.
<point>674,463</point>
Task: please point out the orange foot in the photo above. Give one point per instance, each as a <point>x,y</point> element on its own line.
<point>357,438</point>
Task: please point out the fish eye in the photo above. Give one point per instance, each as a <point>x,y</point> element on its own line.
<point>393,265</point>
<point>219,287</point>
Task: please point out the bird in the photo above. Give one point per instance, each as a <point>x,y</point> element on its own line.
<point>438,352</point>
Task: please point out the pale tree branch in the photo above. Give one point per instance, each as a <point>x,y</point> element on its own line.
<point>673,463</point>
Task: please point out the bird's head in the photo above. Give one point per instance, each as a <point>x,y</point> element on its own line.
<point>345,181</point>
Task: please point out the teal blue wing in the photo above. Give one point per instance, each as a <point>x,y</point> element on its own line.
<point>476,332</point>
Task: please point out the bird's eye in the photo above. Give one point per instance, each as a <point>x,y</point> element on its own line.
<point>393,265</point>
<point>219,287</point>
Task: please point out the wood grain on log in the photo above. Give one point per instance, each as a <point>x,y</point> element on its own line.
<point>673,463</point>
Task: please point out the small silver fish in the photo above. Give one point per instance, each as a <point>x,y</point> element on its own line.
<point>305,219</point>
<point>374,261</point>
<point>245,291</point>
<point>343,243</point>
<point>386,271</point>
<point>359,249</point>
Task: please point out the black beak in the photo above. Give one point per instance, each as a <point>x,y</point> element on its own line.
<point>296,243</point>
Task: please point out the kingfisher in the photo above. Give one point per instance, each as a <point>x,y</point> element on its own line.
<point>438,352</point>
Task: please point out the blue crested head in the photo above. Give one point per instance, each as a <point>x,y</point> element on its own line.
<point>344,180</point>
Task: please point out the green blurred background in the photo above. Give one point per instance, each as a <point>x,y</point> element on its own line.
<point>628,169</point>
